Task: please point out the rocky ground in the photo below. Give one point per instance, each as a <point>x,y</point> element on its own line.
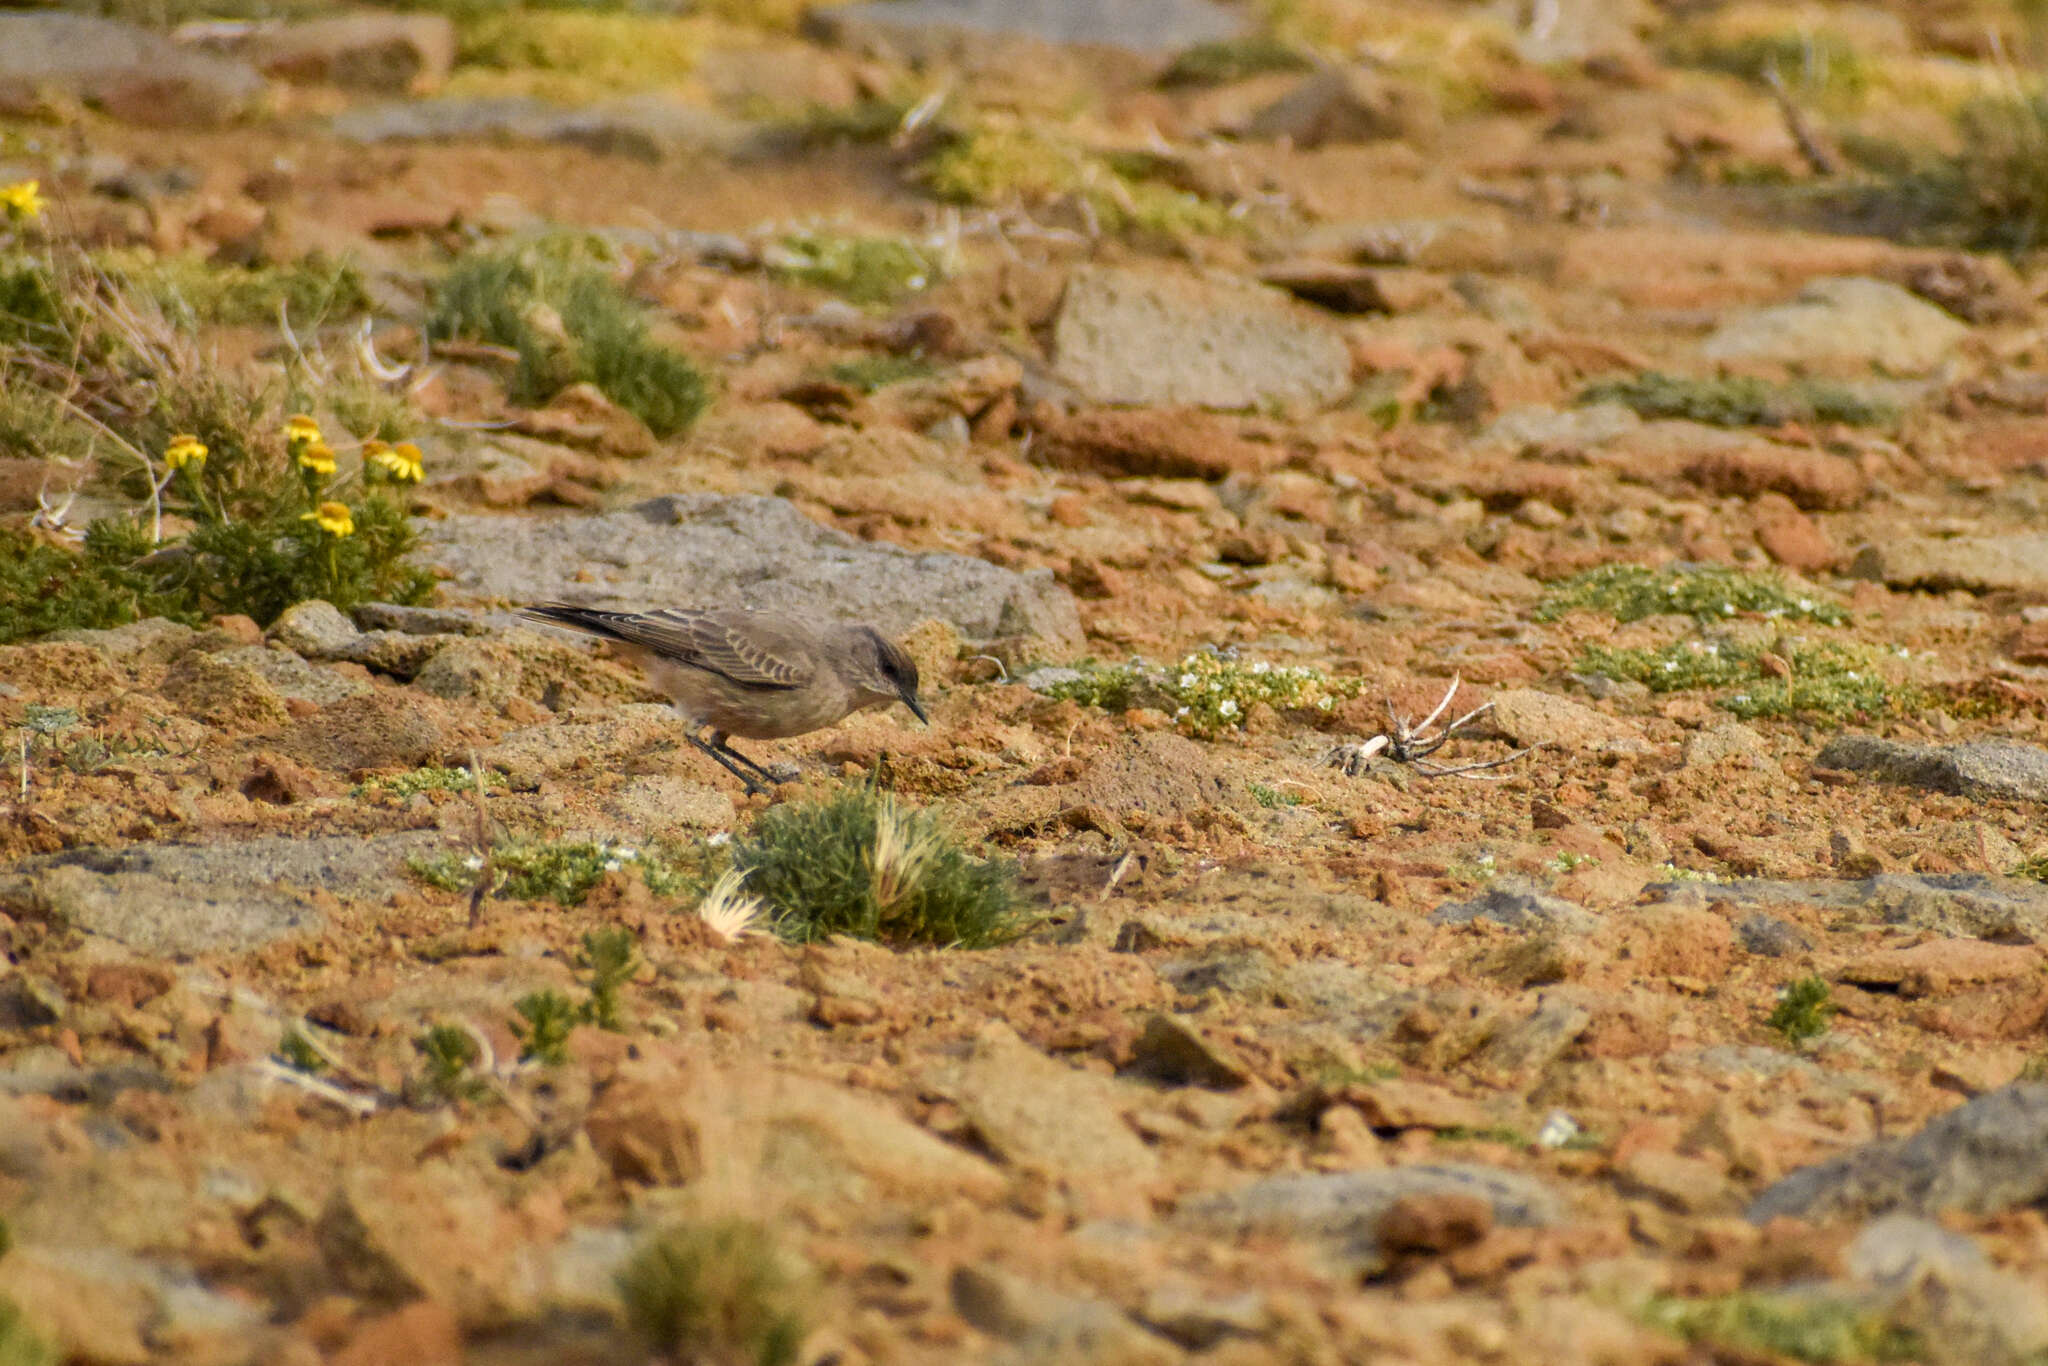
<point>1706,1030</point>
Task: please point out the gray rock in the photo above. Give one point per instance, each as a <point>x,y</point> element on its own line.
<point>1174,1052</point>
<point>1344,104</point>
<point>1960,905</point>
<point>1842,321</point>
<point>669,804</point>
<point>365,50</point>
<point>371,730</point>
<point>1342,1210</point>
<point>314,629</point>
<point>1232,971</point>
<point>155,639</point>
<point>1532,1043</point>
<point>1519,909</point>
<point>912,26</point>
<point>1770,937</point>
<point>1898,1249</point>
<point>128,72</point>
<point>759,552</point>
<point>1978,1311</point>
<point>2015,563</point>
<point>646,126</point>
<point>1050,677</point>
<point>1037,1113</point>
<point>420,621</point>
<point>400,654</point>
<point>176,900</point>
<point>290,676</point>
<point>1197,1318</point>
<point>1987,1155</point>
<point>1595,424</point>
<point>1729,740</point>
<point>1214,341</point>
<point>1042,1324</point>
<point>1984,770</point>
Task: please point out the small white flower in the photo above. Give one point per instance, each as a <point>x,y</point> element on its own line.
<point>1326,703</point>
<point>1713,649</point>
<point>1226,708</point>
<point>1806,604</point>
<point>723,837</point>
<point>1850,673</point>
<point>1261,667</point>
<point>612,865</point>
<point>474,862</point>
<point>1671,666</point>
<point>1182,712</point>
<point>1728,609</point>
<point>1187,680</point>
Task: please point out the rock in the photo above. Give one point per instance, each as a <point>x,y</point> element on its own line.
<point>1977,289</point>
<point>2016,563</point>
<point>1518,909</point>
<point>175,900</point>
<point>1149,337</point>
<point>1524,1048</point>
<point>292,677</point>
<point>529,754</point>
<point>1042,1115</point>
<point>1718,744</point>
<point>1814,480</point>
<point>1345,104</point>
<point>1415,1105</point>
<point>1575,32</point>
<point>1983,770</point>
<point>1978,1311</point>
<point>394,1236</point>
<point>1358,289</point>
<point>649,126</point>
<point>1838,323</point>
<point>106,1305</point>
<point>1770,937</point>
<point>315,630</point>
<point>1344,1210</point>
<point>128,72</point>
<point>365,50</point>
<point>1168,443</point>
<point>1146,26</point>
<point>399,654</point>
<point>581,415</point>
<point>1172,1051</point>
<point>420,621</point>
<point>229,694</point>
<point>1983,1157</point>
<point>1592,424</point>
<point>154,640</point>
<point>1939,966</point>
<point>379,729</point>
<point>1958,905</point>
<point>1791,537</point>
<point>1045,1325</point>
<point>758,552</point>
<point>669,805</point>
<point>1689,1185</point>
<point>1528,717</point>
<point>1198,1319</point>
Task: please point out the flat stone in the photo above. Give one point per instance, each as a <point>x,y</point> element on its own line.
<point>1345,103</point>
<point>314,629</point>
<point>749,551</point>
<point>1961,905</point>
<point>1529,717</point>
<point>1343,1210</point>
<point>1042,1324</point>
<point>1043,1115</point>
<point>1984,770</point>
<point>1160,338</point>
<point>154,639</point>
<point>1173,1051</point>
<point>420,621</point>
<point>129,72</point>
<point>176,900</point>
<point>1518,909</point>
<point>1145,26</point>
<point>1841,322</point>
<point>2016,563</point>
<point>649,126</point>
<point>1983,1157</point>
<point>292,677</point>
<point>365,50</point>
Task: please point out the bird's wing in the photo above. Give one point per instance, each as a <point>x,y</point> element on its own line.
<point>751,651</point>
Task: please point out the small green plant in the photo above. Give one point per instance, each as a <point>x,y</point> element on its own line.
<point>1630,592</point>
<point>858,863</point>
<point>869,373</point>
<point>995,164</point>
<point>549,1016</point>
<point>1819,64</point>
<point>1569,860</point>
<point>1829,682</point>
<point>19,1344</point>
<point>431,778</point>
<point>45,588</point>
<point>1742,401</point>
<point>866,121</point>
<point>2034,866</point>
<point>559,871</point>
<point>1811,1327</point>
<point>1273,797</point>
<point>610,957</point>
<point>863,270</point>
<point>450,1052</point>
<point>299,1053</point>
<point>1482,869</point>
<point>1802,1010</point>
<point>1671,872</point>
<point>191,291</point>
<point>1233,59</point>
<point>718,1291</point>
<point>556,301</point>
<point>1209,691</point>
<point>1677,667</point>
<point>1495,1133</point>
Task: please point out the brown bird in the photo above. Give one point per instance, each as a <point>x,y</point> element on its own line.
<point>759,675</point>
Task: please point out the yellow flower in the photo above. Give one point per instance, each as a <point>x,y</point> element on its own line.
<point>183,451</point>
<point>332,518</point>
<point>317,456</point>
<point>300,430</point>
<point>22,200</point>
<point>402,462</point>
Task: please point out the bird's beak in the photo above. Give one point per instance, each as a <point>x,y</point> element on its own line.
<point>910,701</point>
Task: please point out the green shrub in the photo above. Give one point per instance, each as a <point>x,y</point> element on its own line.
<point>1630,592</point>
<point>449,1052</point>
<point>431,778</point>
<point>1741,400</point>
<point>44,588</point>
<point>556,302</point>
<point>1002,164</point>
<point>191,291</point>
<point>561,871</point>
<point>549,1016</point>
<point>1802,1010</point>
<point>870,373</point>
<point>715,1292</point>
<point>863,270</point>
<point>298,1052</point>
<point>1233,59</point>
<point>610,957</point>
<point>2035,867</point>
<point>1832,682</point>
<point>1208,692</point>
<point>858,863</point>
<point>1811,1327</point>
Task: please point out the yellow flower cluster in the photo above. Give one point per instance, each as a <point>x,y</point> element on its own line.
<point>185,452</point>
<point>302,438</point>
<point>22,200</point>
<point>333,518</point>
<point>402,462</point>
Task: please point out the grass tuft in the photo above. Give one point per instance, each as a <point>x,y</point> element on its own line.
<point>1233,59</point>
<point>873,372</point>
<point>1741,400</point>
<point>549,1016</point>
<point>557,302</point>
<point>1209,691</point>
<point>611,957</point>
<point>862,270</point>
<point>860,864</point>
<point>719,1291</point>
<point>1802,1010</point>
<point>995,165</point>
<point>1781,1324</point>
<point>1630,592</point>
<point>449,1053</point>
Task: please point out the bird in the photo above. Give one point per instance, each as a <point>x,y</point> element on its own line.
<point>756,674</point>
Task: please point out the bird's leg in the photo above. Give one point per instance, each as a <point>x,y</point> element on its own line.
<point>725,758</point>
<point>719,741</point>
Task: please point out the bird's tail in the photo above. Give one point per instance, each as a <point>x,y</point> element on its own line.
<point>589,620</point>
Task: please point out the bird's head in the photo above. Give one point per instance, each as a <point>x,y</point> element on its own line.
<point>890,675</point>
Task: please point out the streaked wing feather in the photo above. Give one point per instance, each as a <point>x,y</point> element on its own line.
<point>751,653</point>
